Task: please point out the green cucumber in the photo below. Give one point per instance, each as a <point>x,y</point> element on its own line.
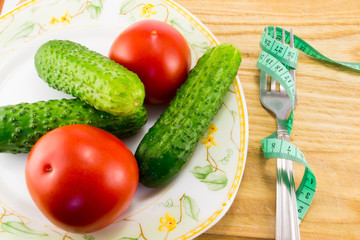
<point>21,125</point>
<point>169,143</point>
<point>104,84</point>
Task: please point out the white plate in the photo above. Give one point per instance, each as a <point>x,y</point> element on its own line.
<point>95,24</point>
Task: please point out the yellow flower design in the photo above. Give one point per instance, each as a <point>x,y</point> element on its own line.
<point>168,223</point>
<point>66,18</point>
<point>54,21</point>
<point>147,10</point>
<point>212,129</point>
<point>208,141</point>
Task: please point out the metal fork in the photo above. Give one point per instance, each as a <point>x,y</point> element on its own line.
<point>287,225</point>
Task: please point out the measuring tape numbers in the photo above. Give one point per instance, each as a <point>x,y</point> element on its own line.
<point>276,148</point>
<point>304,47</point>
<point>276,59</point>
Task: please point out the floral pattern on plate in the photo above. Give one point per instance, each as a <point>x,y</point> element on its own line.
<point>215,169</point>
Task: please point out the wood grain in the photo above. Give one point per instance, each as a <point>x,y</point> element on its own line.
<point>327,118</point>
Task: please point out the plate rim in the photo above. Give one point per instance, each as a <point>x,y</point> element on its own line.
<point>237,84</point>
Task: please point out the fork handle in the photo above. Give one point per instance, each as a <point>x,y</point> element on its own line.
<point>287,225</point>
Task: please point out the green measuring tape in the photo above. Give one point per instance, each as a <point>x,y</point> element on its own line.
<point>275,59</point>
<point>267,41</point>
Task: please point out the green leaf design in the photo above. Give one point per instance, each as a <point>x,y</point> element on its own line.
<point>202,45</point>
<point>226,159</point>
<point>131,19</point>
<point>191,208</point>
<point>180,25</point>
<point>202,172</point>
<point>21,32</point>
<point>95,11</point>
<point>127,238</point>
<point>97,3</point>
<point>21,229</point>
<point>167,204</point>
<point>126,6</point>
<point>215,181</point>
<point>88,237</point>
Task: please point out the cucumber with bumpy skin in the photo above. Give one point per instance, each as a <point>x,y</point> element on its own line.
<point>168,145</point>
<point>23,124</point>
<point>104,84</point>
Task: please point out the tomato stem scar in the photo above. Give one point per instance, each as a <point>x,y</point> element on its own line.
<point>48,169</point>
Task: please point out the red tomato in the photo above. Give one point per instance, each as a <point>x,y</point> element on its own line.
<point>158,54</point>
<point>82,178</point>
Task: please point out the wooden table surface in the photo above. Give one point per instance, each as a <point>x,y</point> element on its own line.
<point>327,118</point>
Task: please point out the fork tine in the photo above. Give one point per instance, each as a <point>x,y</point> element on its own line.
<point>274,33</point>
<point>291,38</point>
<point>282,89</point>
<point>272,81</point>
<point>263,82</point>
<point>292,71</point>
<point>263,75</point>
